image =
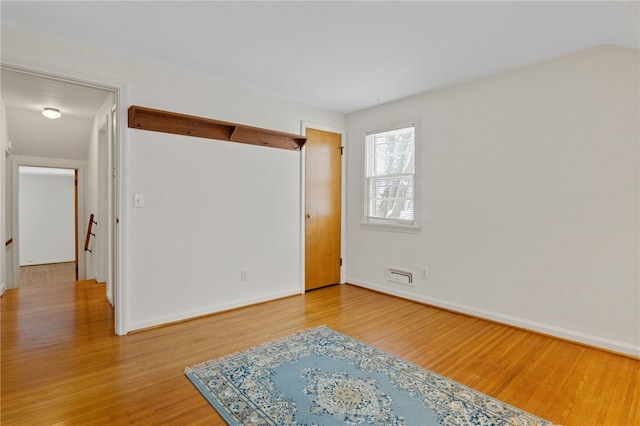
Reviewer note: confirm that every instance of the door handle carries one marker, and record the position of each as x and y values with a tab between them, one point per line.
309	216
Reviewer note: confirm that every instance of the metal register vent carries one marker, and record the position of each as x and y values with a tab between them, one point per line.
401	276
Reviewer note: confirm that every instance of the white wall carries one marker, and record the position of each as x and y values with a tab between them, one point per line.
529	190
528	185
211	208
47	217
97	256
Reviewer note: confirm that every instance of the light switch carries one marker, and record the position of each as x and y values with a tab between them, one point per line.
138	201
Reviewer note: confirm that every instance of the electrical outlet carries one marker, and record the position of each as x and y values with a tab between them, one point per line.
244	275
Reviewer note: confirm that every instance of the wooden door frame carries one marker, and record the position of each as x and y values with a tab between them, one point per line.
304	125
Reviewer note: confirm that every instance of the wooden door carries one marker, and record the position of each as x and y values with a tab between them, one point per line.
323	177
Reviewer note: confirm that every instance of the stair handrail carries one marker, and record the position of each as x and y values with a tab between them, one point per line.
89	233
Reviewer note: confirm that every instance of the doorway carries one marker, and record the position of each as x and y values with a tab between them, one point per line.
323	208
48	225
89	106
17	209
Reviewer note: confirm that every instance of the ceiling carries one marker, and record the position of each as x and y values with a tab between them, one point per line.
30	133
341	56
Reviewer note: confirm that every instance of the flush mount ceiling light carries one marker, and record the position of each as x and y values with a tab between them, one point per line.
51	113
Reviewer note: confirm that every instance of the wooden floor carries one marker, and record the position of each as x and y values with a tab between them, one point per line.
62	363
50	274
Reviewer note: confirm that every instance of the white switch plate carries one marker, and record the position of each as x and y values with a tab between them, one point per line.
138	201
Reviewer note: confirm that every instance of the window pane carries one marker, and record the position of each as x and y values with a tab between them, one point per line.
389	174
391	198
393	152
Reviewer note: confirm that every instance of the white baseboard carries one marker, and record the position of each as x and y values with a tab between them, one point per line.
182	316
562	333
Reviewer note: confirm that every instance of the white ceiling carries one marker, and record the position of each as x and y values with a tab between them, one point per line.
30	133
341	56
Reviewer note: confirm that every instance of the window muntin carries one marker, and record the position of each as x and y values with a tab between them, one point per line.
389	176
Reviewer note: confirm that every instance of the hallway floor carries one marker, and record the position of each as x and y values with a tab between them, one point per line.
47	274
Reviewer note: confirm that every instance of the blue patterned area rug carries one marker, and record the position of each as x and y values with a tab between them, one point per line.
323	377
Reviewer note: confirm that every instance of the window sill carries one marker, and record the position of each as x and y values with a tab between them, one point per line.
407	229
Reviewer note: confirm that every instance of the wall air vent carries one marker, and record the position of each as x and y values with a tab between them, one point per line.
401	276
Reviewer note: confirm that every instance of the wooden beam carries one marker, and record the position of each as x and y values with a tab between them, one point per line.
256	136
189	125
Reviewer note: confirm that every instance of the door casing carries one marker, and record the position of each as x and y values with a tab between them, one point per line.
16	162
116	190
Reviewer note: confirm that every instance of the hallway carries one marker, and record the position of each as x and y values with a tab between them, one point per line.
47	274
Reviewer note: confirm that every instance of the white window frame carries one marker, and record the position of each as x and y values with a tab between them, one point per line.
381	224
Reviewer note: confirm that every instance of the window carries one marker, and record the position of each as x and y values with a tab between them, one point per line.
389	179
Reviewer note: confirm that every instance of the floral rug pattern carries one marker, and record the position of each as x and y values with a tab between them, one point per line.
323	377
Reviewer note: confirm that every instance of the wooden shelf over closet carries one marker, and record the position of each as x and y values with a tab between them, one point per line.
189	125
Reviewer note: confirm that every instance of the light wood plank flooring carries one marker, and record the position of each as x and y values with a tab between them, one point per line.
62	363
47	275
